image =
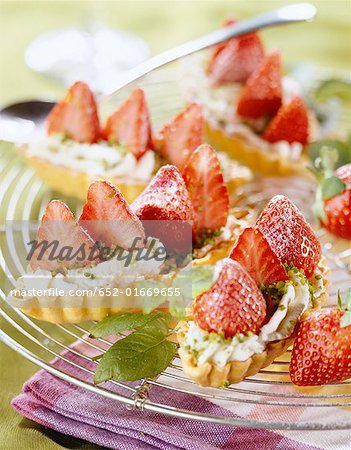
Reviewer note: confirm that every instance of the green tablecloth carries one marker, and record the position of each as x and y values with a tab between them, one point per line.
163	24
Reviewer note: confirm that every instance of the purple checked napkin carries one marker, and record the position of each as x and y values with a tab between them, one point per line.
68	409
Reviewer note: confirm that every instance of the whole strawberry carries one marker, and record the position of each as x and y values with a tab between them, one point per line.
262	94
130	124
333	197
291	123
322	348
289	235
236	59
182	135
166	210
233	304
76	115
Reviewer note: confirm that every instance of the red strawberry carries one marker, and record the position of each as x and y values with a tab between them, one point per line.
233	304
344	173
290	124
322	349
254	253
166	199
109	219
289	235
338	215
332	205
236	59
58	225
76	115
208	192
182	135
262	93
130	125
219	47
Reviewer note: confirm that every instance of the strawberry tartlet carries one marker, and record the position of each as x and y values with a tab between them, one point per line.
248	317
253	112
199	195
77	149
177	209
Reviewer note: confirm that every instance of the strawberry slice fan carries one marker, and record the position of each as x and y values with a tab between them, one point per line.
266	399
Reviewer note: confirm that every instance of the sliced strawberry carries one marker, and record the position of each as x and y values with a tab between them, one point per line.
262	93
322	349
254	253
109	219
208	192
76	115
67	244
219	47
338	215
130	125
233	304
289	235
344	173
236	59
182	135
290	124
166	199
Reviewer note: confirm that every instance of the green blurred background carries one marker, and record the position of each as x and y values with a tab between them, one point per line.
325	42
162	24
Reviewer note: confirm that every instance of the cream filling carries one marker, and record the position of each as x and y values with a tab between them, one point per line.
100	159
212	347
220	106
110	273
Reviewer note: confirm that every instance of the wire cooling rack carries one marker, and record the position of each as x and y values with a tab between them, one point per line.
267	400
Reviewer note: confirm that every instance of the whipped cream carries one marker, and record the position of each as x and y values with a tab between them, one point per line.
100	159
220	103
215	348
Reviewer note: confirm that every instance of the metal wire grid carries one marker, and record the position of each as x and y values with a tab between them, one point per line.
24	197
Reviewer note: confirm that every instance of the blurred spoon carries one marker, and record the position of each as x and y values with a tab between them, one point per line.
37	110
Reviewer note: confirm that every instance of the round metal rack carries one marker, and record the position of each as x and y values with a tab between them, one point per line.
267	400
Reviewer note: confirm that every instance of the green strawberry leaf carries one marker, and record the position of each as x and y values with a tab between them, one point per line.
343	149
120	322
318	205
331	187
346	318
142	354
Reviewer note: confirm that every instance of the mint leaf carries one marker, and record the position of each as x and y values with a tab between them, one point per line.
202	279
332	186
120	322
142	354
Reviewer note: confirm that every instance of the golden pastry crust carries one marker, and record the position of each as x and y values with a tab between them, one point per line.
73	183
209	374
264	162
